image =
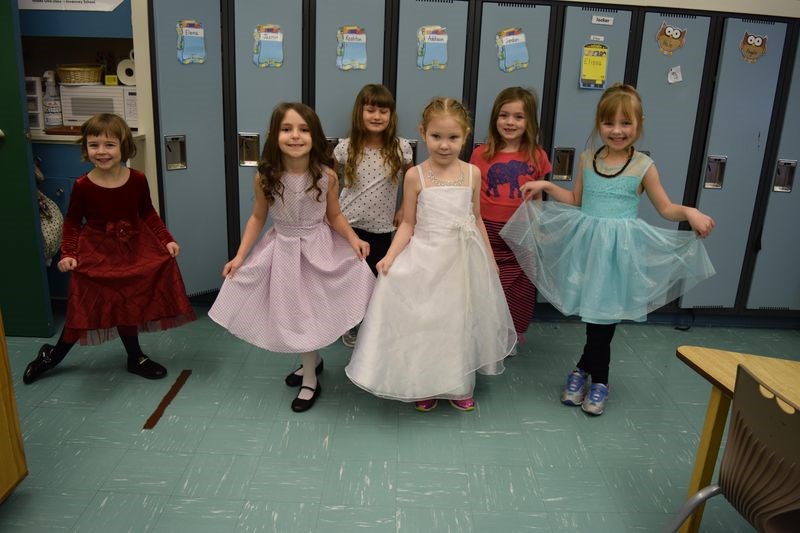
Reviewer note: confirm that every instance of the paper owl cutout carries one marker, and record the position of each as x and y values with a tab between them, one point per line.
753	47
670	38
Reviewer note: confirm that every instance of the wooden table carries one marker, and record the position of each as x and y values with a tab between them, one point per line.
719	367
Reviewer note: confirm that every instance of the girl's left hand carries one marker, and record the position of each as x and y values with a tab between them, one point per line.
700	223
361	248
173	249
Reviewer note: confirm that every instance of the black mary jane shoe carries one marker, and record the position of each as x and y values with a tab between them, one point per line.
298	405
147	368
40	365
293	380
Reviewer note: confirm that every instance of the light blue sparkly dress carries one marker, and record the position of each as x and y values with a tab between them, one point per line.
600	261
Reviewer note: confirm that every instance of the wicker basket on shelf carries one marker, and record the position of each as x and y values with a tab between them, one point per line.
77	74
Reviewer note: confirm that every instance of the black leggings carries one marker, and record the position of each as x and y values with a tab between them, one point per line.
378	246
596	356
127	334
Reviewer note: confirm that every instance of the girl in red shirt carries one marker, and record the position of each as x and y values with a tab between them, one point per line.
510	157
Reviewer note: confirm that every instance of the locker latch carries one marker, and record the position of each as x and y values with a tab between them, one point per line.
715	171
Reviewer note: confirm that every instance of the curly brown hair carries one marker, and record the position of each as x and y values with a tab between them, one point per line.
270	165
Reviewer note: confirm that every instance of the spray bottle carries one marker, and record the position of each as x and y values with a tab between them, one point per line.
51	101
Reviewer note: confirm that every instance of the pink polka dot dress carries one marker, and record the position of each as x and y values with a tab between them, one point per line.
302	286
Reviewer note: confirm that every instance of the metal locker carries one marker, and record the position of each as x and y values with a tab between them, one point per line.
671	68
776	283
576	106
420	77
493	74
347	33
269	70
740	120
188	68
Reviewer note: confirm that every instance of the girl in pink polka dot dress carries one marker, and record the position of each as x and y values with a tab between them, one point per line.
305	282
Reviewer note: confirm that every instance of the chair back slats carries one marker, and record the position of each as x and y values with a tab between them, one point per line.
760	471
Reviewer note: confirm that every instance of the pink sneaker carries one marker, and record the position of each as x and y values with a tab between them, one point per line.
426	405
463	405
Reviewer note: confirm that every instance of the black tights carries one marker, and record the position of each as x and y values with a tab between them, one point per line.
130	341
378	246
597	351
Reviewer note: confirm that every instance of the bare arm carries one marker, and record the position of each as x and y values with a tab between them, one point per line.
702	224
338	221
398	216
532	189
402	236
476	209
251	230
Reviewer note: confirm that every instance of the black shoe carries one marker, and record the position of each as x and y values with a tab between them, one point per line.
298	405
293	380
40	365
146	367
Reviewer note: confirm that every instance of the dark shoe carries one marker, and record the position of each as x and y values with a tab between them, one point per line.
40	365
298	405
146	367
293	380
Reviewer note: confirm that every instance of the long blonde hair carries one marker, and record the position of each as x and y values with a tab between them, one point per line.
379	96
529	142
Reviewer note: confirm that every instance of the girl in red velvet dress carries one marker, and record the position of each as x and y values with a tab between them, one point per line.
124	275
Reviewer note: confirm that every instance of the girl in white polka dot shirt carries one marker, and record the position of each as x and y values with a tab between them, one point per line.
373	160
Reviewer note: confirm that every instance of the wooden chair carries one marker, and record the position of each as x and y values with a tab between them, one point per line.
760	471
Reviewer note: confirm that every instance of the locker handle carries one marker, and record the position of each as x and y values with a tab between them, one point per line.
175	151
563	160
784	175
715	171
248	149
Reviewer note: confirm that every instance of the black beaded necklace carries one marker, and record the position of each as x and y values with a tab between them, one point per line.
617	173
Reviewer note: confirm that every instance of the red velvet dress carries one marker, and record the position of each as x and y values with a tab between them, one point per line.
125	275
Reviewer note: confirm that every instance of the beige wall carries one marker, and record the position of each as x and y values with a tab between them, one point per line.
778	8
146	158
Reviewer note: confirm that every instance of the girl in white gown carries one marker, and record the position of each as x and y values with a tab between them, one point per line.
438	313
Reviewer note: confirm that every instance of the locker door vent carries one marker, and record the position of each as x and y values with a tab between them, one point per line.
757	21
512	4
678	15
774	308
599	10
435	1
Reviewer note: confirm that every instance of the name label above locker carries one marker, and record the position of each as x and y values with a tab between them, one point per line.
603	21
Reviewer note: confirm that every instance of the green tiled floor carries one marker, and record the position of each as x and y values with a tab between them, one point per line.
229	454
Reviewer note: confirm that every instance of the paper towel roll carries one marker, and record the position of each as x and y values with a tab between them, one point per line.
126	72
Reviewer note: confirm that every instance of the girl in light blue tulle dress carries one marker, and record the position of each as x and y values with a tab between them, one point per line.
590	255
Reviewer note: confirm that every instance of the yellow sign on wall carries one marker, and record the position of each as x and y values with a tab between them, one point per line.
594	66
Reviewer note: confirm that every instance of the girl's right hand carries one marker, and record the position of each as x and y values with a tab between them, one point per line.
67	264
384	265
231	267
532	189
701	223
